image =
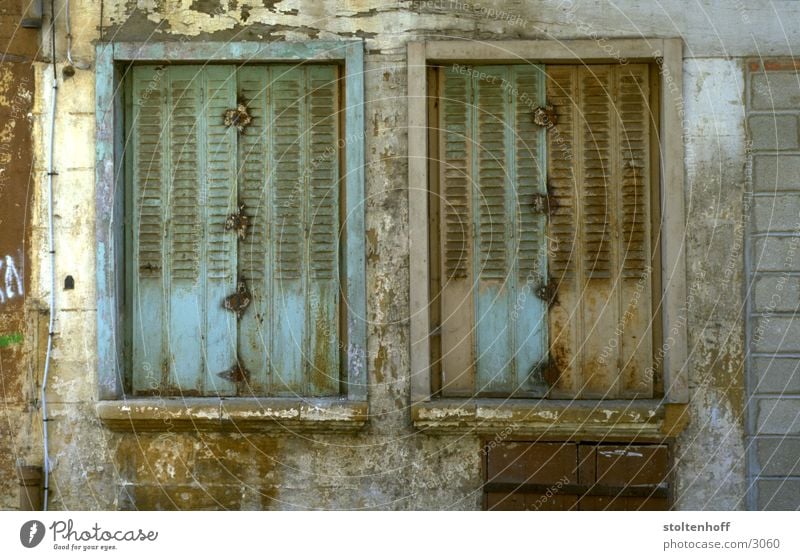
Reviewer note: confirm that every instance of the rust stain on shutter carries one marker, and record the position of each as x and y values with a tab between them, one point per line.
598	158
562	231
238	301
238	222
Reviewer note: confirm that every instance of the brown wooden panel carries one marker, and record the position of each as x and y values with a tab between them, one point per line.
610	503
587	464
563	476
555	502
501	501
498	501
536	463
635	464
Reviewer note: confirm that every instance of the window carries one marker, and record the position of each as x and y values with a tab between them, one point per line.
548	222
217	215
237	171
543	217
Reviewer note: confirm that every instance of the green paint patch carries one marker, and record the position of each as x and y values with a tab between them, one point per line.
9	339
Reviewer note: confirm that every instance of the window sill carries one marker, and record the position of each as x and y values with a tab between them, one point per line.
274	415
642	420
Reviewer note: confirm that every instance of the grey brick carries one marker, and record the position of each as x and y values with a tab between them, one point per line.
776	334
776	172
779	495
778	416
776	254
776	293
775	90
777	213
776	375
778	457
773	132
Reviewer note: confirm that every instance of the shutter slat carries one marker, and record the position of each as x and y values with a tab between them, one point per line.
218	145
457	316
187	310
598	230
322	215
288	128
564	316
148	195
493	325
636	344
529	312
493	135
255	251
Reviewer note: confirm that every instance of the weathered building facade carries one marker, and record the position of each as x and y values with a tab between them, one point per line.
726	426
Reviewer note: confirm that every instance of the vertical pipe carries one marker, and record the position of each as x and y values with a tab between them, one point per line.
51	173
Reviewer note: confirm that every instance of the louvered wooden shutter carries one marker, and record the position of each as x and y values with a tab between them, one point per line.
183	186
289	181
599	173
188	173
493	323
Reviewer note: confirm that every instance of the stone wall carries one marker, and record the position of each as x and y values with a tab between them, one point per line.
391	466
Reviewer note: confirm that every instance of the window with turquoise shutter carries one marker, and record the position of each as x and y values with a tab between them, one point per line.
233	234
544	190
493	325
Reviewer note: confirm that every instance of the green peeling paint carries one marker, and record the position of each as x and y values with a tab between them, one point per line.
9	339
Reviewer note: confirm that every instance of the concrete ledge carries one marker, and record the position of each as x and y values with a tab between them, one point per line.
645	419
276	415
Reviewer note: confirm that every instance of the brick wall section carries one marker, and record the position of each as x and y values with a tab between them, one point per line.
773	105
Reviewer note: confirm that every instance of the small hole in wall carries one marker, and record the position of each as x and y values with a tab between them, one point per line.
69	283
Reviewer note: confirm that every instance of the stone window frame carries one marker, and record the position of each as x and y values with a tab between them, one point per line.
345	413
639	418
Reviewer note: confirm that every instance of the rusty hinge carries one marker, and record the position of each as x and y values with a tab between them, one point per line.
548	292
237	374
545	203
239	301
545	116
238	221
238	117
551	373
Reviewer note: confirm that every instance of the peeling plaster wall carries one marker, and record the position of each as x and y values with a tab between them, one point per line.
710	453
389	465
19	422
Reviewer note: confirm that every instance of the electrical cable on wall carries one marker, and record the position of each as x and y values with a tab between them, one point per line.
51	173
